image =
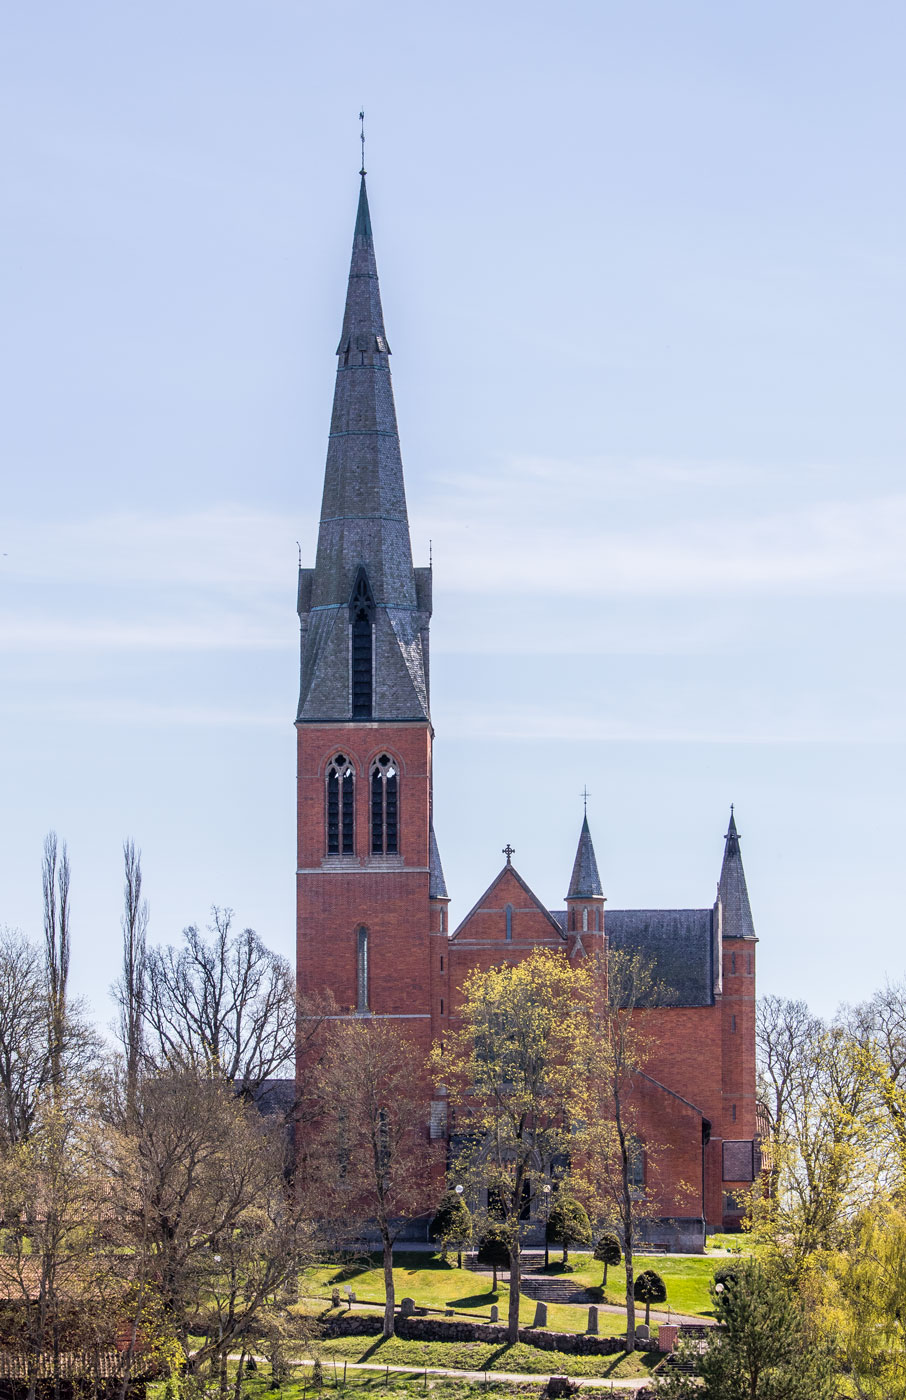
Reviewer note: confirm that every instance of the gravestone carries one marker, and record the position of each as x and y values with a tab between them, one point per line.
495	1313
335	1297
407	1307
593	1320
540	1315
643	1333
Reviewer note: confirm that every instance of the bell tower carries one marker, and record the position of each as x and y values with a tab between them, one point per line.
365	844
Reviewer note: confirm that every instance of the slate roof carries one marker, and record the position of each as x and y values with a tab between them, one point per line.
437	885
364	524
679	943
731	890
585	882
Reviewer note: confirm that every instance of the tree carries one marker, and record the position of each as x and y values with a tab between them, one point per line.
607	1252
26	1065
612	1141
858	1296
132	987
826	1117
452	1223
568	1223
518	1065
762	1347
494	1250
649	1288
369	1158
201	1223
223	1006
55	878
50	1270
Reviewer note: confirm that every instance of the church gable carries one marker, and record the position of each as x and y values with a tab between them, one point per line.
509	913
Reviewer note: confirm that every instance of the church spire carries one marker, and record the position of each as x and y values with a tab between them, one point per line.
585	882
731	890
363	538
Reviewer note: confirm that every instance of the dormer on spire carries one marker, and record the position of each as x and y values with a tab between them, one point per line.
732	894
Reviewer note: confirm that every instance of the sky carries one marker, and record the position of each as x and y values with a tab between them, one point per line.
643	278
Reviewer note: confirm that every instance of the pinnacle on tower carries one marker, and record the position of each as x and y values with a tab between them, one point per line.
363	576
731	889
585	882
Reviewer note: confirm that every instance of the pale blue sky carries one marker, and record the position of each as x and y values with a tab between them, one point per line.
643	276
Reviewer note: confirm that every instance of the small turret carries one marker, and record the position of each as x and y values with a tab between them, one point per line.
585	898
732	895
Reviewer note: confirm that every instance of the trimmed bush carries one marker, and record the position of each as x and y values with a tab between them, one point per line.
649	1288
607	1252
568	1224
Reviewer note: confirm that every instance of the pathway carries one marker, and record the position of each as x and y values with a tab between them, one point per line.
519	1377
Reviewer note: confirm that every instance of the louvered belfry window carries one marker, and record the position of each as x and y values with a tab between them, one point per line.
340	807
384	806
361	621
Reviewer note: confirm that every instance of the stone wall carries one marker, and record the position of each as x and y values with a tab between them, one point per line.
435	1329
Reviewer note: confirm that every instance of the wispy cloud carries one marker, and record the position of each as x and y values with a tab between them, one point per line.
223	579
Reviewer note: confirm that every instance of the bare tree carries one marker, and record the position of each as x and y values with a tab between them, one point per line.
24	1066
223	1005
204	1229
370	1158
130	991
55	875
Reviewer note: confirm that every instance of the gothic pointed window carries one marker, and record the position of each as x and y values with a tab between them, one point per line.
340	807
509	923
361	625
384	806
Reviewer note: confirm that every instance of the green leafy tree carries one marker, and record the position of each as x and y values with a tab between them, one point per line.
519	1066
607	1252
762	1347
452	1223
494	1250
649	1288
568	1224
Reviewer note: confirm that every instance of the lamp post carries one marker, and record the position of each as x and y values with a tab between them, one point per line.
459	1190
546	1190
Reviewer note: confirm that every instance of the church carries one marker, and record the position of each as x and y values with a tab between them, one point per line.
373	925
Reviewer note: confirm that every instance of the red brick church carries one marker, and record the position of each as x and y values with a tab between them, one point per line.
372	905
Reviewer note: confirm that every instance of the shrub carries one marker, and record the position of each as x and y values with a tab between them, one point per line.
568	1224
452	1223
649	1288
607	1252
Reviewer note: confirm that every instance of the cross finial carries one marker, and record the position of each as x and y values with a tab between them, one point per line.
362	139
585	796
509	851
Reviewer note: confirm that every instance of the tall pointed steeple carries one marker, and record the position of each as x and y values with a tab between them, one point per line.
364	551
585	882
731	889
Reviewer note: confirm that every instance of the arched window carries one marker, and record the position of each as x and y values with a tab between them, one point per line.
361	623
361	969
340	807
385	806
509	923
585	919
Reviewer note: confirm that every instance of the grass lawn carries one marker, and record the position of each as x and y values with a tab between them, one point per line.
481	1356
433	1284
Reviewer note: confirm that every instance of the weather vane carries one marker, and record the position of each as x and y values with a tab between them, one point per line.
362	139
585	796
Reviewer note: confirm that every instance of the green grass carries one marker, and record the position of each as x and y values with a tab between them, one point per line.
433	1284
483	1356
737	1243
